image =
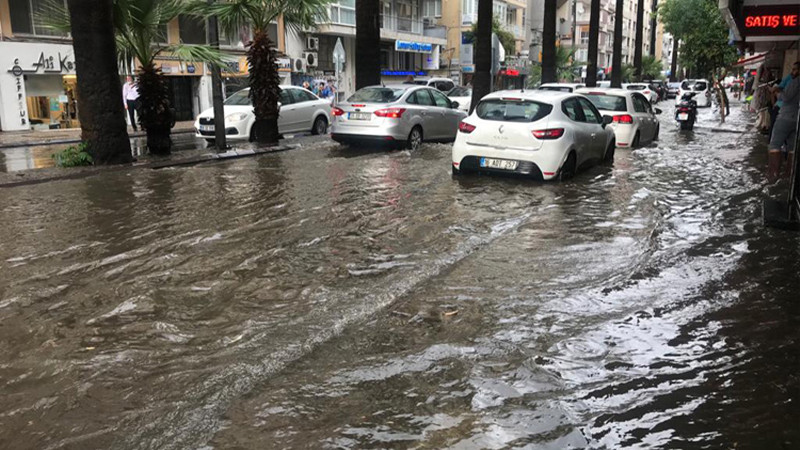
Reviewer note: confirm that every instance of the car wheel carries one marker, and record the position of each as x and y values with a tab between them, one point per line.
456	172
320	126
415	138
635	143
211	141
568	169
610	151
658	129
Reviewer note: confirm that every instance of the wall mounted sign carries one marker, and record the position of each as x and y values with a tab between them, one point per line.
403	73
414	47
771	20
47	64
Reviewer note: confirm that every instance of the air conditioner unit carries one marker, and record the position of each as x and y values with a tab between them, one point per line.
299	65
310	59
312	43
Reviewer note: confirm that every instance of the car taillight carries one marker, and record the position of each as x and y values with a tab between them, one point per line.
391	113
552	133
683	110
625	118
646	92
466	128
337	111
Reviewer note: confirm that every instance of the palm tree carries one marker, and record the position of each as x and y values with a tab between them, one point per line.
651	68
102	115
637	50
368	34
482	82
235	15
566	64
594	30
549	74
616	64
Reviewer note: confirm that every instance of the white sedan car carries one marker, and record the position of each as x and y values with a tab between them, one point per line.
300	111
462	95
644	89
541	134
700	87
634	120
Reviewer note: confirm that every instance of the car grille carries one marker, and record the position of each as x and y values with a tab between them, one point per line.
206	121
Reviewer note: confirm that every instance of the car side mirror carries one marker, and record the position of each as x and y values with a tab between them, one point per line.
454	105
658	111
607	120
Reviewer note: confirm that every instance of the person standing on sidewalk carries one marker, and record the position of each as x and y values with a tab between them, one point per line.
784	131
130	97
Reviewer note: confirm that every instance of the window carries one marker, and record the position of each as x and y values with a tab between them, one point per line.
639	104
286	97
192	30
590	112
444	86
572	109
512	110
301	95
239	98
343	12
608	102
432	8
421	97
441	100
377	95
460	92
24	18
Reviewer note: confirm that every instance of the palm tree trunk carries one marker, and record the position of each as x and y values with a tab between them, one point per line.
653	29
155	115
482	82
549	42
102	114
637	51
673	69
265	88
594	37
616	65
368	38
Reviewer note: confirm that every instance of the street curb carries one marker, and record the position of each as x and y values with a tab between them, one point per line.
209	157
75	140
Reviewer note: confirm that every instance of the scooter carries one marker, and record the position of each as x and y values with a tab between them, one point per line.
686	111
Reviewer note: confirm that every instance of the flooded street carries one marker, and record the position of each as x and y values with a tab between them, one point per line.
329	297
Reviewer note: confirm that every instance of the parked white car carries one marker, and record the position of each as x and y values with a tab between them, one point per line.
634	119
462	95
442	84
300	111
541	134
561	87
701	87
644	89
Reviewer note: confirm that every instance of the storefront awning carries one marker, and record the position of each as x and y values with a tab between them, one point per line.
751	61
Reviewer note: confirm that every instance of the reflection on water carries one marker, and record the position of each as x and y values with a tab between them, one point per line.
329	298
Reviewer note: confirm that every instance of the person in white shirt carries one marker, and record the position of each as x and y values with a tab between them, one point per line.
130	95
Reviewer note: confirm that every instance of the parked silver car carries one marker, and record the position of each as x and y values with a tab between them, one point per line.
402	114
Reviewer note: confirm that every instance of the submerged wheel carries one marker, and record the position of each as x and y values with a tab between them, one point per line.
610	151
658	130
320	126
568	169
415	138
635	143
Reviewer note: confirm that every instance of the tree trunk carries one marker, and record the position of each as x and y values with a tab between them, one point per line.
594	35
482	82
673	69
549	42
265	88
102	114
616	65
637	50
155	115
653	29
368	38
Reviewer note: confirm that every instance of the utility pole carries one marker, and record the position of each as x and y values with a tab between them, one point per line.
216	87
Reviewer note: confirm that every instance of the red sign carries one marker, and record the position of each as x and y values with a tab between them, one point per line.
510	72
772	20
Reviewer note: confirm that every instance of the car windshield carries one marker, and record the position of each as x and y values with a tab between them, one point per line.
674	85
556	88
700	86
608	102
512	110
635	87
377	95
687	85
239	98
460	92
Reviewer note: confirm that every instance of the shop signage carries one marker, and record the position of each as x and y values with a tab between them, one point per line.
414	47
403	73
284	64
46	64
468	68
772	20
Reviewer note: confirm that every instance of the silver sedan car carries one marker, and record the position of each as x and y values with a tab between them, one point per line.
403	114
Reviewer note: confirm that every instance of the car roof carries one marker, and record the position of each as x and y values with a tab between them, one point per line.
608	91
531	94
562	84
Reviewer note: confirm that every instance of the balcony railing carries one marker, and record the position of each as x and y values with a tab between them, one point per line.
401	24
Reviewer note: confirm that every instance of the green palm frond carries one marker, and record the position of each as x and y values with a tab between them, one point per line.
194	53
233	15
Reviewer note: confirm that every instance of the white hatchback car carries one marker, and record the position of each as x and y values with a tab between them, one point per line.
700	87
644	89
300	111
634	119
541	134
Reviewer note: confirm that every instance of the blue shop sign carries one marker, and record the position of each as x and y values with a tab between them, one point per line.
416	47
403	73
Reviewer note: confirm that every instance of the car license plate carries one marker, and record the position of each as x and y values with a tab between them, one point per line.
683	116
359	116
503	164
206	127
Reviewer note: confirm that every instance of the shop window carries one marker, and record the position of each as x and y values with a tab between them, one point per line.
192	30
25	17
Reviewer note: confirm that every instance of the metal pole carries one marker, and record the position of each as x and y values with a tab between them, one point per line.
216	87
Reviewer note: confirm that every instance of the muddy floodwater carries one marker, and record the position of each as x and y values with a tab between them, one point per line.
327	297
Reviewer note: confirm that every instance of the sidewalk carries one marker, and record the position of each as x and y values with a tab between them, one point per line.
11	139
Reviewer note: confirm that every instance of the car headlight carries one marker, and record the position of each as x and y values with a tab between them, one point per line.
235	117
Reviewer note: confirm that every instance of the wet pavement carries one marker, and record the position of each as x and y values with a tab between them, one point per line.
328	297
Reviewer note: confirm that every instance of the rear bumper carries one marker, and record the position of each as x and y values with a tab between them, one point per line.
542	164
349	139
524	168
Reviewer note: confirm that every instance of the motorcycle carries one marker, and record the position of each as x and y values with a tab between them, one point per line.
686	111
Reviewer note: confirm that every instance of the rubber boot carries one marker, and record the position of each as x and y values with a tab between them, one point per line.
787	171
773	165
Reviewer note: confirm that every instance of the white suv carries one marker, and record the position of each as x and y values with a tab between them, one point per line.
701	87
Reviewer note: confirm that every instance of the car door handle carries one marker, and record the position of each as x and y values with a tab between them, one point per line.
594	135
